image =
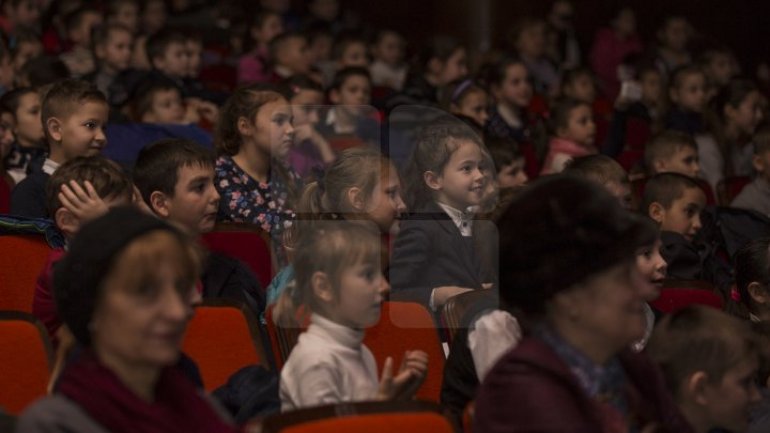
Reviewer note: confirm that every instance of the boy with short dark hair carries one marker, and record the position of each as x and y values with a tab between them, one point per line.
756	195
672	151
606	172
289	54
80	24
674	201
709	361
74	113
112	48
175	178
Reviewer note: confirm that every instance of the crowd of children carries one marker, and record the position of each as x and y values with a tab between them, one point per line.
565	184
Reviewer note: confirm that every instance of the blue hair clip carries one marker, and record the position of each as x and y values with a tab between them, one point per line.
461	88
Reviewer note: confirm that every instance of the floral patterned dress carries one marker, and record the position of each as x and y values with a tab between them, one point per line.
244	199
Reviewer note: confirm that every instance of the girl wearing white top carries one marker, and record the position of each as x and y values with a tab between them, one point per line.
338	277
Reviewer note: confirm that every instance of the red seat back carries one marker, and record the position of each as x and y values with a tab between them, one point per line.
25	360
222	338
22	258
247	243
674	299
630	159
732	186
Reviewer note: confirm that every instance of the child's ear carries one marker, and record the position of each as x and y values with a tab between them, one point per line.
334	96
696	387
432	180
356	199
322	288
159	204
657	212
66	222
244	126
53	126
758	293
759	163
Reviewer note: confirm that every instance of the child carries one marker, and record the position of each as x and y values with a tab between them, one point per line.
74	113
124	13
167	54
175	178
509	163
434	256
441	61
579	83
349	49
574	130
388	69
606	172
687	90
253	136
756	195
193	43
289	54
311	153
673	39
80	25
611	45
674	201
672	152
509	116
81	189
529	41
751	300
24	105
112	48
254	65
339	278
739	109
27	47
709	361
466	98
18	14
159	101
720	67
351	116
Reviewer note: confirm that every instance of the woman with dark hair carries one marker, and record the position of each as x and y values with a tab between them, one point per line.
568	267
125	290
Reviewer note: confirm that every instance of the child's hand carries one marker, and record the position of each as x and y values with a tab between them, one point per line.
308	132
84	204
208	111
139	202
414	368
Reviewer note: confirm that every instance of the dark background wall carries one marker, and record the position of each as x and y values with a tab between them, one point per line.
743	25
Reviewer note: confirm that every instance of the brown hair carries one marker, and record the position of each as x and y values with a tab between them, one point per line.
665	145
106	176
244	102
699	338
598	168
63	98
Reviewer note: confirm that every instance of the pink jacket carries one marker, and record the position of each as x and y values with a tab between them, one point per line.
560	152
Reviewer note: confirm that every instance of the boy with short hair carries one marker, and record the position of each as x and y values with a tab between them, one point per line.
756	195
672	151
349	49
80	24
289	54
112	48
674	201
709	361
80	190
74	113
175	178
606	172
508	161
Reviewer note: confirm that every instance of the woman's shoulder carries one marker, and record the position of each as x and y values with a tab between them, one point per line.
56	414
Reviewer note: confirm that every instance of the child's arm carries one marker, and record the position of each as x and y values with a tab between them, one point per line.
411	374
308	132
85	204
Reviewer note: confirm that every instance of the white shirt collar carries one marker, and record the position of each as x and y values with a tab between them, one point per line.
348	337
49	166
463	220
509	116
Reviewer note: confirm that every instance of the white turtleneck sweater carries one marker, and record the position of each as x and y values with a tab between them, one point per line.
328	365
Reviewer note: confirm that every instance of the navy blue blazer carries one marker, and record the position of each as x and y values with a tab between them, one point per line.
430	252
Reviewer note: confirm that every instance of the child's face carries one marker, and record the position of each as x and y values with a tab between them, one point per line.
194	53
683	161
721	69
580	126
362	290
690	94
683	216
582	89
174	61
167	108
26	14
128	15
272	130
320	49
295	55
389	49
515	88
306	105
652	87
154	16
746	116
462	182
29	129
271	27
27	51
81	35
676	35
512	175
729	401
531	42
625	23
474	105
82	133
354	55
454	68
6	133
356	90
116	51
653	267
195	201
385	206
